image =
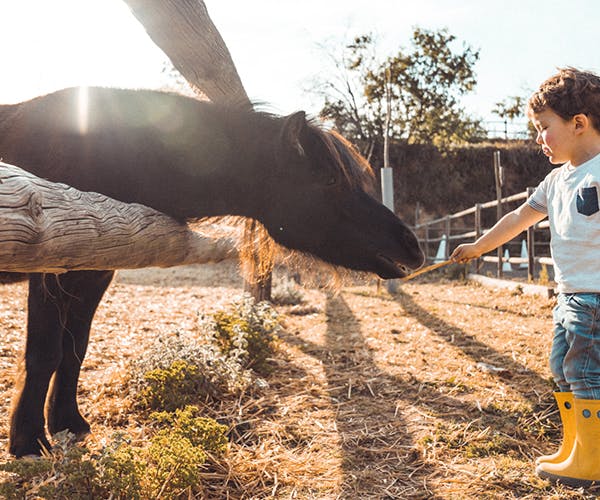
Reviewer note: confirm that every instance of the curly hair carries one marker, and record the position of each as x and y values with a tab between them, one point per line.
568	93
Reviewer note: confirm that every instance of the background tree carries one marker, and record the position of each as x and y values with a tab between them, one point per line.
512	108
426	83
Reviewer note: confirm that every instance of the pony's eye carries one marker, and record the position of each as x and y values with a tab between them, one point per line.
331	181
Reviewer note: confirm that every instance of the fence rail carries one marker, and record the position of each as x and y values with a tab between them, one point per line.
468	225
507	129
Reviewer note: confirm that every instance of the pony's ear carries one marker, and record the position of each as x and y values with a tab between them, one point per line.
293	127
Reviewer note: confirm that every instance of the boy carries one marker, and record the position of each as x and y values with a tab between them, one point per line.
566	114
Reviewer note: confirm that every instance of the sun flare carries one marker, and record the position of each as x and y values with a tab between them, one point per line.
82	110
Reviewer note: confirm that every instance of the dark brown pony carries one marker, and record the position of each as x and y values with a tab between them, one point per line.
189	159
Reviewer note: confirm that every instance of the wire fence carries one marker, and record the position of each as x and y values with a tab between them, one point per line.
507	129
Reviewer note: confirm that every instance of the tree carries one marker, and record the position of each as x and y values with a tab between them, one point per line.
511	108
426	84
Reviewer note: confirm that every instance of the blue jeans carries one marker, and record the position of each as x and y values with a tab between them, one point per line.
575	355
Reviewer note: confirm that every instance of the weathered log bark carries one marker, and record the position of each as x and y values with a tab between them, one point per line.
51	227
184	31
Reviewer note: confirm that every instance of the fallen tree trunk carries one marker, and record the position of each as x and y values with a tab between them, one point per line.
54	228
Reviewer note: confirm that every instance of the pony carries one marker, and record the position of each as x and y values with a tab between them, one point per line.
190	159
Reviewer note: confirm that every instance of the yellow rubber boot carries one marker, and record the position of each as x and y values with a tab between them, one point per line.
582	467
564	400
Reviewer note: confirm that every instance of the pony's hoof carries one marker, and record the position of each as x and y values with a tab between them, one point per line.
75	424
30	457
30	448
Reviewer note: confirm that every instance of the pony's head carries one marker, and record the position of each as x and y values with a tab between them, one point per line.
321	201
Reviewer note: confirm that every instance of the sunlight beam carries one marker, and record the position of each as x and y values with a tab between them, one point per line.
82	110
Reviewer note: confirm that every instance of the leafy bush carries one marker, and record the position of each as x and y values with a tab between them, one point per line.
170	388
121	469
200	431
208	363
67	473
173	465
246	332
176	371
183	368
168	467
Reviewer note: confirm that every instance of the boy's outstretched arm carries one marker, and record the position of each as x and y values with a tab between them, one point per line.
504	230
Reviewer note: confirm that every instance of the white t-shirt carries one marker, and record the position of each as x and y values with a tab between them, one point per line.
570	197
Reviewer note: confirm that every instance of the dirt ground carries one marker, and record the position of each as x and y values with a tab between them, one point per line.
439	391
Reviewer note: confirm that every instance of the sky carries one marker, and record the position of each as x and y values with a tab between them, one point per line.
277	45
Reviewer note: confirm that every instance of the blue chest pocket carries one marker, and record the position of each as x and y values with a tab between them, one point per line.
587	201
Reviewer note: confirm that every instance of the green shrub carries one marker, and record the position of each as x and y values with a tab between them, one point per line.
173	465
179	449
178	385
174	373
183	369
26	475
121	469
200	431
67	473
247	332
208	363
168	467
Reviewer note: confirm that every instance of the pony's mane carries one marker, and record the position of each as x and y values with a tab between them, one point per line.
346	158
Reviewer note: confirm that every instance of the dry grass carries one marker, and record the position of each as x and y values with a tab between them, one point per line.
374	396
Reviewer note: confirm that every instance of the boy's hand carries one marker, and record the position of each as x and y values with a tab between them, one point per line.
464	253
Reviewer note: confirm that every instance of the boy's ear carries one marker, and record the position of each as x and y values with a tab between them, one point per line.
581	122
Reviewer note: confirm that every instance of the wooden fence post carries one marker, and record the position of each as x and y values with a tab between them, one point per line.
447	231
499	181
432	230
530	246
477	232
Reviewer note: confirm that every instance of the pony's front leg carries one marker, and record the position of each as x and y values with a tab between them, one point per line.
84	290
43	351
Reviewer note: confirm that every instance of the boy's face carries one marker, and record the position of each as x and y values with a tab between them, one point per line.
555	135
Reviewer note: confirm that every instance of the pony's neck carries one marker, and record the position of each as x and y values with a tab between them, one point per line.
239	185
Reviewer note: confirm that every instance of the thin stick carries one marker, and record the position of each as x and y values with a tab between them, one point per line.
426	269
